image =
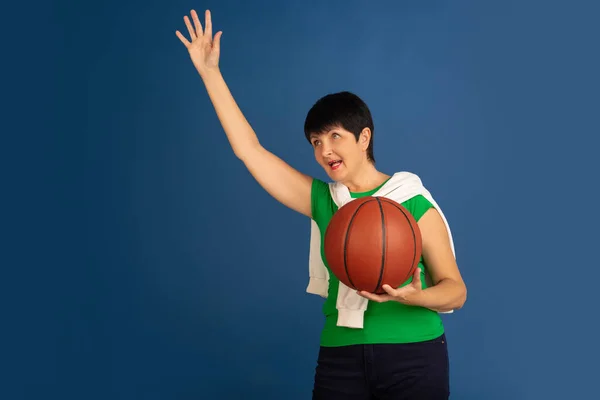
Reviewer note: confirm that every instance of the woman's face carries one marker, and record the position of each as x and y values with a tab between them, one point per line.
339	153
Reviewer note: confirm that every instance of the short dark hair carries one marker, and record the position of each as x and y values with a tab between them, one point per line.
343	109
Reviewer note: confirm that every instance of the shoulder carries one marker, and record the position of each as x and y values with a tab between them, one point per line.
417	205
321	200
319	189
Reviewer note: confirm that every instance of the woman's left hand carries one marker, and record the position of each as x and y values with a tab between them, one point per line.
407	294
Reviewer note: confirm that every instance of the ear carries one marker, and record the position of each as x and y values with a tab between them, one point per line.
365	139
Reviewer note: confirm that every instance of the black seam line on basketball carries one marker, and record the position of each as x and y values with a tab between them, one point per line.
346	241
383	240
412	230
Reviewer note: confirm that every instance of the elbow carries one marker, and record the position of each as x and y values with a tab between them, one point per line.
462	298
240	153
457	301
243	153
459	305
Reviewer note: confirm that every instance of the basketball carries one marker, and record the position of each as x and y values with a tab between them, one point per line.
372	241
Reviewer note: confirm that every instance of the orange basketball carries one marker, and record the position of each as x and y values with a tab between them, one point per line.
372	241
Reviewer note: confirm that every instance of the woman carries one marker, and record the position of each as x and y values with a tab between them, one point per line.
399	350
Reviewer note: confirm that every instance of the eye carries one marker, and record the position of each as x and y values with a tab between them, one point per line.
316	142
336	135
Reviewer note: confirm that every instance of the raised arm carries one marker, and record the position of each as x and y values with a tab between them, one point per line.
286	184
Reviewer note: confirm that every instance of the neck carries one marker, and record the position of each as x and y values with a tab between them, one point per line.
366	178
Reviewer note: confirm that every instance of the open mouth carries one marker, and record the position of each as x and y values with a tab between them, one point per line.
335	164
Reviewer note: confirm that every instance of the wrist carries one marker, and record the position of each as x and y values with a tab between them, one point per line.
418	298
209	73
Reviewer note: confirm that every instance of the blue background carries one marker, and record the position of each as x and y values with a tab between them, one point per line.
142	261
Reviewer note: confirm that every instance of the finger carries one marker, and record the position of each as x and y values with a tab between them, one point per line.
370	296
182	38
373	296
197	23
417	277
390	290
189	27
217	43
208	23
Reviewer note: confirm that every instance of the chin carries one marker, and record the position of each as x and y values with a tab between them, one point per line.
337	175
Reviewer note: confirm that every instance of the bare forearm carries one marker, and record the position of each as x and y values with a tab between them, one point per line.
446	295
240	134
289	186
283	182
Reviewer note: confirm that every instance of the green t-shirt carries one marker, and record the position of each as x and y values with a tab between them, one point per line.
387	322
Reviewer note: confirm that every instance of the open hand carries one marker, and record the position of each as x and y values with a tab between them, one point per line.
204	50
407	294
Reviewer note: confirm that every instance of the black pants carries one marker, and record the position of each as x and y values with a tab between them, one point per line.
412	371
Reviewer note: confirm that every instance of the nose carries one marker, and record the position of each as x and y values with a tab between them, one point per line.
325	149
